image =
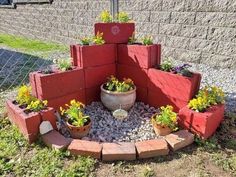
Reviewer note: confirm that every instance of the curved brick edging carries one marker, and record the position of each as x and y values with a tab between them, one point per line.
121	150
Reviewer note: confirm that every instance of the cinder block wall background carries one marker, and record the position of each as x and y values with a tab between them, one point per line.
201	31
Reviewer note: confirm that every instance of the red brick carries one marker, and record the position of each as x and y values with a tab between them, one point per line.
96	76
151	148
49	115
179	140
118	151
114	33
55	140
138	75
138	55
204	124
49	86
142	94
94	55
92	94
86	148
32	83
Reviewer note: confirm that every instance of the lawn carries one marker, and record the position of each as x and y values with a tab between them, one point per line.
215	157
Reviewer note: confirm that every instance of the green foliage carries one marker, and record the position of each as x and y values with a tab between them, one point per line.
105	17
147	40
24	95
85	41
123	17
207	97
113	84
166	66
167	118
63	64
37	105
98	39
75	114
132	39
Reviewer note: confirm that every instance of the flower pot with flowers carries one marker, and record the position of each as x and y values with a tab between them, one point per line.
172	85
142	54
117	94
165	122
91	48
78	123
204	113
116	30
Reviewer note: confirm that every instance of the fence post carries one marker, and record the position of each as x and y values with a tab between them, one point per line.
114	8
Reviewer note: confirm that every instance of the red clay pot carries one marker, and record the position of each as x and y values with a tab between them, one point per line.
50	86
138	75
139	55
203	124
167	88
160	130
96	76
115	33
94	55
79	132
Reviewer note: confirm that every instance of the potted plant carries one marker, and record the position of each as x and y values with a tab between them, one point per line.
92	51
78	123
142	54
27	112
115	30
165	122
117	94
204	113
62	81
172	85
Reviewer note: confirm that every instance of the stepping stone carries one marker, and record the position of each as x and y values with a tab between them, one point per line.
152	148
118	151
55	140
179	140
85	148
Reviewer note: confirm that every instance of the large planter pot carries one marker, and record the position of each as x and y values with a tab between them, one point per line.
203	124
115	33
165	88
94	55
139	55
160	130
79	132
115	100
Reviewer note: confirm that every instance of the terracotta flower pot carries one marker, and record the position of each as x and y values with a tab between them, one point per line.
160	130
79	132
116	100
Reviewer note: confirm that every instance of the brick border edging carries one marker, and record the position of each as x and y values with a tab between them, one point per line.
126	151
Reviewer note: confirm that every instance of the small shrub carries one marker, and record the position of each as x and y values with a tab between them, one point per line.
63	64
98	39
167	118
24	95
105	17
85	41
147	40
74	113
37	105
166	66
183	70
113	84
123	17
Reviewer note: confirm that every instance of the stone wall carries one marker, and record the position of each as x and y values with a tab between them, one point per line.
201	31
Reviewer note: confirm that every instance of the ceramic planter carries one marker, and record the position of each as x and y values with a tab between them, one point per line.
94	55
204	124
139	55
165	88
79	132
115	33
160	130
116	100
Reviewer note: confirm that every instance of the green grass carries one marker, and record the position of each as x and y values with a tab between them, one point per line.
29	45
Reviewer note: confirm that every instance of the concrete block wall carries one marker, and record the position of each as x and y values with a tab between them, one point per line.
201	31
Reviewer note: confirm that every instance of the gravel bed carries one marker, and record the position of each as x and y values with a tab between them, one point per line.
106	128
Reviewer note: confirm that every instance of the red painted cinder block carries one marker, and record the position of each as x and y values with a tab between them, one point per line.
49	86
138	75
92	94
139	55
49	115
115	33
157	99
32	83
203	124
94	55
96	76
58	102
142	94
